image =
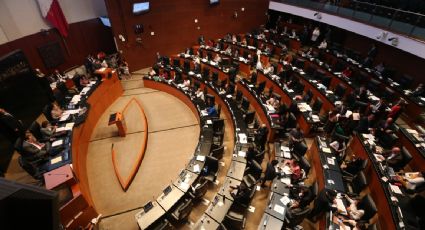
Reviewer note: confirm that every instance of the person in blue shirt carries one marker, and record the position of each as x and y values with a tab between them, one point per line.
212	112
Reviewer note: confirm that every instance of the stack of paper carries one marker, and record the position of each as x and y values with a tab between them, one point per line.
57	143
200	158
285	200
396	189
242	138
241	153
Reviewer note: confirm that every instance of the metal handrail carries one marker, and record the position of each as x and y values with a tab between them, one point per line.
387	7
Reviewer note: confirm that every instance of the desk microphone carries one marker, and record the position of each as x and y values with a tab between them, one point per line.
58	174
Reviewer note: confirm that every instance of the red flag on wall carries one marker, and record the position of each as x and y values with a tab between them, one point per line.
51	10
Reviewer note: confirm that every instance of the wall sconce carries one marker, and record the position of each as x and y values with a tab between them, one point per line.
235	14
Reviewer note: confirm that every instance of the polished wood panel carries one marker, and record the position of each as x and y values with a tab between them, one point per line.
174	26
375	187
86	37
106	93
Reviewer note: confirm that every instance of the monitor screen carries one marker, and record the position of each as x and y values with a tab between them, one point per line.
105	21
214	1
140	7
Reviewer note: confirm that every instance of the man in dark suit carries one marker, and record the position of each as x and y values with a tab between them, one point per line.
34	150
261	137
323	202
270	172
393	156
10	126
365	123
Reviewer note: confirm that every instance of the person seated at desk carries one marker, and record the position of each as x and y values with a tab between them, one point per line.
270	172
267	50
47	130
234	39
33	149
210	43
347	72
228	51
151	72
296	136
186	84
56	111
323	203
365	123
338	147
396	109
261	137
353	212
58	76
393	156
345	223
411	180
236	54
294	169
273	102
251	153
240	193
361	94
217	59
259	65
288	59
333	116
212	111
269	69
419	91
200	94
384	128
353	166
301	196
323	45
244	42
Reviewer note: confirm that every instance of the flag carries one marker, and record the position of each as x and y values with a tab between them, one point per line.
51	10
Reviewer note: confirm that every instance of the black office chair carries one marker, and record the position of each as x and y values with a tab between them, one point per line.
300	148
218	126
234	220
210	170
199	190
317	105
218	110
308	96
239	96
349	175
368	205
340	90
218	152
163	225
305	165
254	169
249	117
294	217
356	184
214	78
249	181
182	211
47	111
32	168
314	190
407	157
387	141
35	130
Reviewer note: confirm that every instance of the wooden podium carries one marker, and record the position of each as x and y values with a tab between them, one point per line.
118	120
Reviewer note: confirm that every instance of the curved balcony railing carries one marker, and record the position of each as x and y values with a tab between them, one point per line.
400	21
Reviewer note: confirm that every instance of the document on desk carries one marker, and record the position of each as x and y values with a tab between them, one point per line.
200	158
57	143
184	186
287	170
64	117
204	113
287	154
340	206
379	157
242	154
209	122
326	150
315	118
396	189
242	138
56	160
279	209
331	161
286	180
85	90
285	200
196	168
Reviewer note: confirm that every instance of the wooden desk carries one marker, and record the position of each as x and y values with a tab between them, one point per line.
106	93
59	176
377	192
418	161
